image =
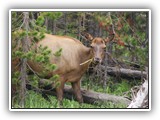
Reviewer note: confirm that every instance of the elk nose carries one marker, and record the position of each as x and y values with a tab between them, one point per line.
97	60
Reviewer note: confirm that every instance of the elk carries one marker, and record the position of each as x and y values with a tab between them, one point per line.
73	62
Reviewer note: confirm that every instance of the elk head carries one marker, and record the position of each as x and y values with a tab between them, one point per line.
98	46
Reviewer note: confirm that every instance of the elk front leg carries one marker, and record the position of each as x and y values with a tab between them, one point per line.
77	91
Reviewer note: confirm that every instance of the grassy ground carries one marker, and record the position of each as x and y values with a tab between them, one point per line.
35	100
120	88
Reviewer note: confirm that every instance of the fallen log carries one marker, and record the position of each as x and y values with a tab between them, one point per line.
124	73
89	96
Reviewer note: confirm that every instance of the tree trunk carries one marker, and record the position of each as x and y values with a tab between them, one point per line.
46	23
24	62
54	27
79	27
65	22
105	73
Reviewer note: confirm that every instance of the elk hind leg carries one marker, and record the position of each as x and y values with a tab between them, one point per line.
77	91
59	92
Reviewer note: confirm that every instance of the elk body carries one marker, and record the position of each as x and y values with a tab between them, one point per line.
70	65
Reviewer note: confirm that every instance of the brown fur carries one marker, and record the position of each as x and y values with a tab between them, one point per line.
69	69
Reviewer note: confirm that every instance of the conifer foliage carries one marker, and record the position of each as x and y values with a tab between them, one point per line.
27	29
126	35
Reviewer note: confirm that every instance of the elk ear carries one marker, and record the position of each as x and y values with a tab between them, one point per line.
109	38
106	40
88	36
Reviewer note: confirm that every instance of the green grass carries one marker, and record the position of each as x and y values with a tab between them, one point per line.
35	100
113	86
118	88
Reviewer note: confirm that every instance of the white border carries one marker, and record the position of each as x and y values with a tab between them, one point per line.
94	10
10	61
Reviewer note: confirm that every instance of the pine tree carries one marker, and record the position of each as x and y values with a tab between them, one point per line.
26	32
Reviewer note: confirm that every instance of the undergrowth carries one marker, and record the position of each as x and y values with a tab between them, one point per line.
35	100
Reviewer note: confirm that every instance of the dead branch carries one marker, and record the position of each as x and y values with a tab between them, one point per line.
141	98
